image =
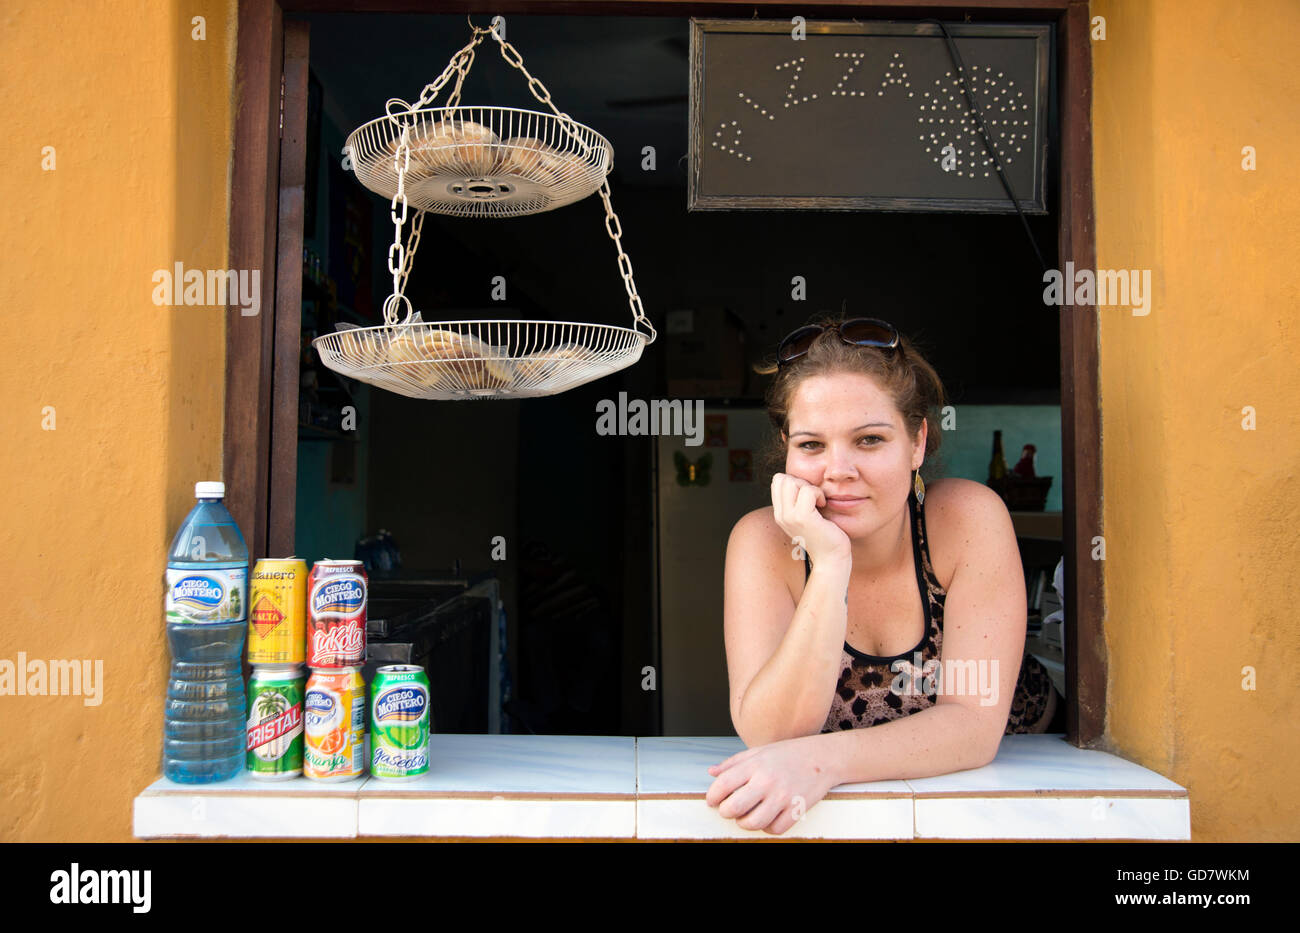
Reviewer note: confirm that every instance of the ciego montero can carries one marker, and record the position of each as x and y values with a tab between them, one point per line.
334	723
336	614
399	723
275	698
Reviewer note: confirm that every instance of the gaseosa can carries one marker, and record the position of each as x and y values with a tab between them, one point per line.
399	723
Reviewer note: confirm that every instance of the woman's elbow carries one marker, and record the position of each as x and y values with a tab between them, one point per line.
755	734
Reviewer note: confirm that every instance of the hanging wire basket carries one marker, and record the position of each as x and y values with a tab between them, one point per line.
480	162
480	359
483	161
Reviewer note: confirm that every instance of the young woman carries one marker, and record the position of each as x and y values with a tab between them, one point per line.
874	626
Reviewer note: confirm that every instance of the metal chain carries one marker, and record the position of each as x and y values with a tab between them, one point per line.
459	63
615	230
517	61
401	258
612	224
398	262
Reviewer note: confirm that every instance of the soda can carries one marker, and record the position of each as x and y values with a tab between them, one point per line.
399	723
277	617
334	721
275	700
336	614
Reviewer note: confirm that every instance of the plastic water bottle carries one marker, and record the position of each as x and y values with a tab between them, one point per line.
204	718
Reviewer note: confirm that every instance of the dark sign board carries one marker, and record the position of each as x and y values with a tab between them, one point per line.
866	116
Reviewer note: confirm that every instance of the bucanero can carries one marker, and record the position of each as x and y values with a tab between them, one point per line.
399	723
275	701
336	614
334	720
277	617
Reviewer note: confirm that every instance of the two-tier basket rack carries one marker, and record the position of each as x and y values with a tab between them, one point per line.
488	162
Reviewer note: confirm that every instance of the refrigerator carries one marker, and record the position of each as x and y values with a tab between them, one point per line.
702	491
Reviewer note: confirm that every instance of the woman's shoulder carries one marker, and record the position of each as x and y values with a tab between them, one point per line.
763	543
960	515
757	529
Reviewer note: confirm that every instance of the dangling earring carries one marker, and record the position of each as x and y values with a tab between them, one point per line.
918	485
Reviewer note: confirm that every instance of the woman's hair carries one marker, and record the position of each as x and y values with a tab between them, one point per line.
902	373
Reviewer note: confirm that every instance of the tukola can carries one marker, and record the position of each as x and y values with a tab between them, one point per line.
336	614
399	723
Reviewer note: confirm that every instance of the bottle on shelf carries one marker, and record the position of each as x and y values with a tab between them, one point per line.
998	465
204	718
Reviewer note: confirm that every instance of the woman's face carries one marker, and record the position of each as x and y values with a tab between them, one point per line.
847	437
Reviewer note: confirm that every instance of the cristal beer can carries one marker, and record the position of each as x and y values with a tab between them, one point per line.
275	699
336	614
334	722
399	723
277	617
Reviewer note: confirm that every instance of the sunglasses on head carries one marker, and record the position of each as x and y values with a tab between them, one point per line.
858	332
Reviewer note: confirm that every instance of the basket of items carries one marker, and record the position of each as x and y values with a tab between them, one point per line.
480	162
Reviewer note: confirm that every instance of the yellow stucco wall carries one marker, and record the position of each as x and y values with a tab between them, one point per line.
138	114
1202	517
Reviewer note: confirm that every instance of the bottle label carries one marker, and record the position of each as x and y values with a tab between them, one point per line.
207	596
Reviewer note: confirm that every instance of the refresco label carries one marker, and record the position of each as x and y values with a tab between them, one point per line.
207	596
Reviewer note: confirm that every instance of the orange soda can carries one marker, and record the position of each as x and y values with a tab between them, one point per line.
334	725
277	616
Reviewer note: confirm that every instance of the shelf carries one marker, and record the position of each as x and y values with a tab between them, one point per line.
619	787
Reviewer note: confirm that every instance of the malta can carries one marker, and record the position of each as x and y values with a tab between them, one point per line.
334	721
277	617
275	696
399	723
336	614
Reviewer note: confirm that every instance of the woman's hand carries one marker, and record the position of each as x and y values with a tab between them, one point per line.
795	503
771	787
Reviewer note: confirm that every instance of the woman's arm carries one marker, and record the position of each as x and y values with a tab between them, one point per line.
983	642
782	660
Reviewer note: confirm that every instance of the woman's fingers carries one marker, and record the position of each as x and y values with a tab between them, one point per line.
741	801
810	497
762	815
725	784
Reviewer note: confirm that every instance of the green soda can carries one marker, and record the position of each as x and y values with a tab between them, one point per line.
399	723
275	696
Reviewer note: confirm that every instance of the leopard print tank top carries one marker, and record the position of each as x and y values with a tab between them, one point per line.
863	694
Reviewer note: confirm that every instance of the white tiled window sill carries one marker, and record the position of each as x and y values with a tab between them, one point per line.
619	787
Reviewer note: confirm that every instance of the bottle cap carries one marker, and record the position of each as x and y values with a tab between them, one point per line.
209	490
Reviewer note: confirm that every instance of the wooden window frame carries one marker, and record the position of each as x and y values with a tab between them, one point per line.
260	442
